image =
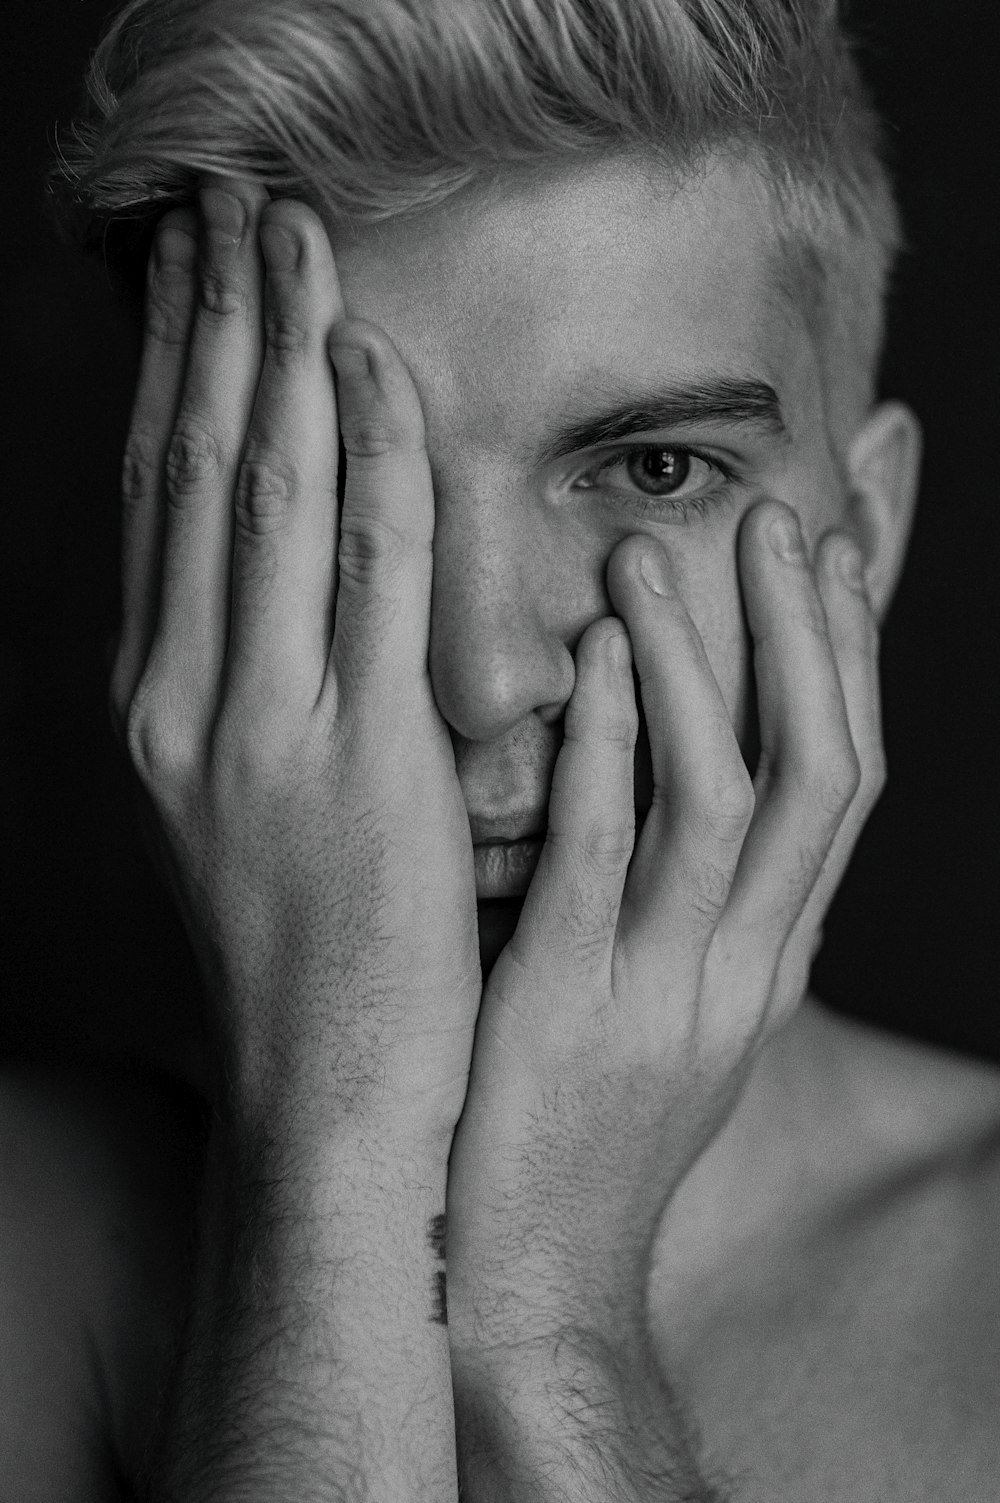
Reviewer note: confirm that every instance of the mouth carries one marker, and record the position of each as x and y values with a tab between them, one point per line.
504	868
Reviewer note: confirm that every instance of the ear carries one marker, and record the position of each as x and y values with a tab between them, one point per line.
884	470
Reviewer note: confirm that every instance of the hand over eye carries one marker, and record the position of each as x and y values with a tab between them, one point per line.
271	682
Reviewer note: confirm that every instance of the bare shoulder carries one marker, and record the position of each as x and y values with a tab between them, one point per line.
914	1096
922	1199
97	1175
848	1348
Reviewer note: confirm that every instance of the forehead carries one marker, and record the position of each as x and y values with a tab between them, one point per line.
591	282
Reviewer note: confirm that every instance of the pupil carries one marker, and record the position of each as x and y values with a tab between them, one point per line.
659	471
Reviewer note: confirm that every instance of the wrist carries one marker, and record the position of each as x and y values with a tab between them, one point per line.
301	1096
314	1322
327	1159
547	1298
591	1420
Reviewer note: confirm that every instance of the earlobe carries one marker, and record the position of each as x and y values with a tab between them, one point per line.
884	470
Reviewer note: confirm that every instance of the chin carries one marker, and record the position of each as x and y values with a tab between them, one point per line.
497	921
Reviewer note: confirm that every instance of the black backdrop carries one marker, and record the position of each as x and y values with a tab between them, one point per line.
90	959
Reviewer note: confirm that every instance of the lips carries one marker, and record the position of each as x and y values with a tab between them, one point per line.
504	868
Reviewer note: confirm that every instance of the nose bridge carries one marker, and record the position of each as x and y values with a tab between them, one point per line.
498	652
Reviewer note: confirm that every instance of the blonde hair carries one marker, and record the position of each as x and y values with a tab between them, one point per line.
371	109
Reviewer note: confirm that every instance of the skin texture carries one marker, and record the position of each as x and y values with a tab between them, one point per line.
515	312
326	711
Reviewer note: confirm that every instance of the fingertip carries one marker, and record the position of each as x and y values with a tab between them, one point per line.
840	565
366	360
770	527
639	565
302	244
230	205
618	646
175	240
348	336
362	334
605	644
291	214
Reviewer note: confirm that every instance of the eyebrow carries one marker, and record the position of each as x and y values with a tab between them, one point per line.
743	402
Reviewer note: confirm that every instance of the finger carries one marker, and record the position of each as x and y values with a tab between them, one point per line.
702	797
854	639
204	448
284	547
572	906
387	521
170	298
808	771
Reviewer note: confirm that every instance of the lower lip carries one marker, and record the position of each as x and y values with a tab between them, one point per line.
504	868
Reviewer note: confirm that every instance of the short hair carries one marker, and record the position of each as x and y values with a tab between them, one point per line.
375	109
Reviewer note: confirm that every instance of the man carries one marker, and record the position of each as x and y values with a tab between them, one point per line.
591	297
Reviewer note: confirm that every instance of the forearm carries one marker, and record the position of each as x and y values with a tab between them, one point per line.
313	1368
572	1422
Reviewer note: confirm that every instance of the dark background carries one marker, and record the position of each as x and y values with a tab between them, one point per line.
90	958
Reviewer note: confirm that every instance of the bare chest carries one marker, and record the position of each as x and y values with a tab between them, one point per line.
859	1361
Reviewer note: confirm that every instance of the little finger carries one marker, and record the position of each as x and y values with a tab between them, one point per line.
808	772
854	638
170	299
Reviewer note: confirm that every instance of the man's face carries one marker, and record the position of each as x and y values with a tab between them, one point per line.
526	318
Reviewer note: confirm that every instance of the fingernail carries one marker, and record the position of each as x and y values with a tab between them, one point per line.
619	650
351	360
280	247
224	214
849	562
786	538
653	572
174	247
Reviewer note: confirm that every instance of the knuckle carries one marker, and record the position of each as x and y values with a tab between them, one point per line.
591	917
168	303
154	742
140	464
727	809
263	494
286	334
221	296
620	729
834	781
371	550
193	459
708	891
371	434
606	848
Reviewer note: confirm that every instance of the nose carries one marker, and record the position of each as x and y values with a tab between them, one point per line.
499	652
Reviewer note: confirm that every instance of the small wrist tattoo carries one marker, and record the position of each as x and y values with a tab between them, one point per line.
436	1233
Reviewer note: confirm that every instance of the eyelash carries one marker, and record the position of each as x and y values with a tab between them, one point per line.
681	508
